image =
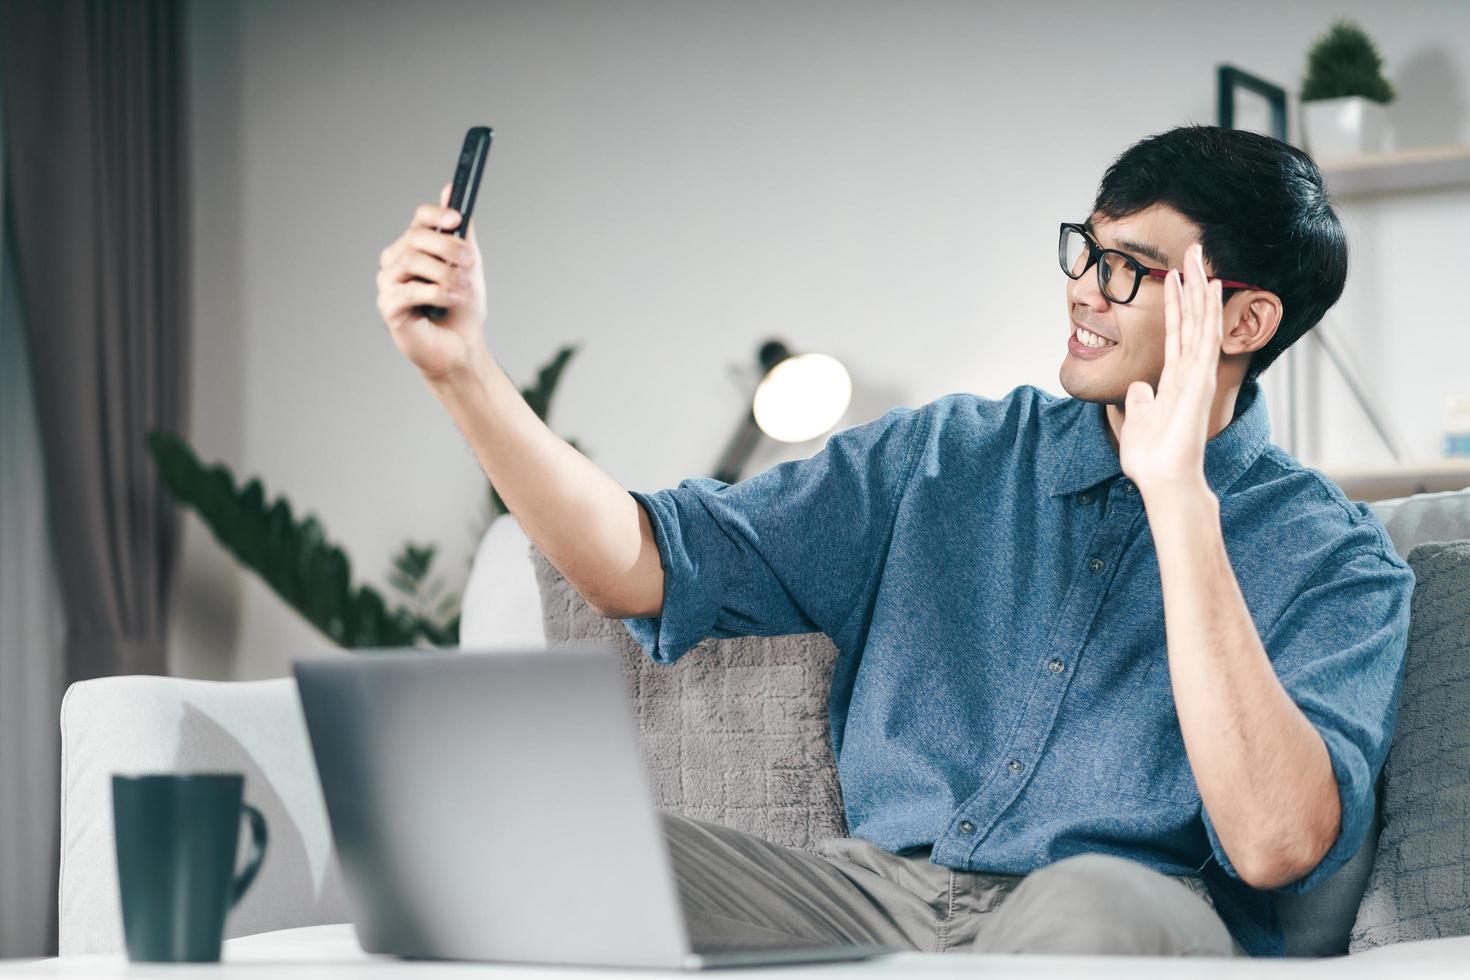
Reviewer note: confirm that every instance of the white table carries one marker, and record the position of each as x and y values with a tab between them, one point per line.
319	952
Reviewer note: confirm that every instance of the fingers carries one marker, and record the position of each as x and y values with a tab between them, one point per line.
1215	318
1186	304
452	216
1171	319
434	217
426	217
1209	319
418	265
425	266
1201	299
400	302
1199	308
418	238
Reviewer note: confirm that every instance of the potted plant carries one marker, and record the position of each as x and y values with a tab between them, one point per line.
1343	95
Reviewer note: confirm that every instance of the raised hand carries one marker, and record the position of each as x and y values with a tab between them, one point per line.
427	267
1162	442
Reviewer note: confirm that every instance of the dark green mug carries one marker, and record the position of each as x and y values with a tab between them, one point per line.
177	835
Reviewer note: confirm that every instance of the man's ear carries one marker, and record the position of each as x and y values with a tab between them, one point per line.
1254	324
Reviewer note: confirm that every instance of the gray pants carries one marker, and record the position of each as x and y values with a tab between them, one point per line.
737	888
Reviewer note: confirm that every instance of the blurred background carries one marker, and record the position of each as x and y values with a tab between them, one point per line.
671	184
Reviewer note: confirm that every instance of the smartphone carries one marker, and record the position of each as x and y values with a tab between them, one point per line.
462	191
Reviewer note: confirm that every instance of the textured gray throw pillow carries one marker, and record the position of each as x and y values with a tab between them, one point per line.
1420	885
735	731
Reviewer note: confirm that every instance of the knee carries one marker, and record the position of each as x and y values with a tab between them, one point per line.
1084	901
1094	880
1096	903
681	831
681	834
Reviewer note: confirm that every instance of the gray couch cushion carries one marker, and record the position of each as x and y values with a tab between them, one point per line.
735	731
1420	885
1424	517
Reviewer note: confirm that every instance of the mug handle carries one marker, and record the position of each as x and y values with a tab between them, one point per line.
258	838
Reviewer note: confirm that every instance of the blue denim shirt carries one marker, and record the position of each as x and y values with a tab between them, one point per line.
1001	690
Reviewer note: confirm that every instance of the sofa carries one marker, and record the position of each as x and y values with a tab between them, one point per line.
736	732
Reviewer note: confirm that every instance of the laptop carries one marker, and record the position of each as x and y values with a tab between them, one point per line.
495	807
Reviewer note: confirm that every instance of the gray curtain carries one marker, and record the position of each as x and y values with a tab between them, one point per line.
97	172
93	352
31	637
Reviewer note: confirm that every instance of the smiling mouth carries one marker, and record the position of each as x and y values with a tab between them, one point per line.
1086	338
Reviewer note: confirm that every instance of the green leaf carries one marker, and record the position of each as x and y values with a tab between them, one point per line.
294	558
539	394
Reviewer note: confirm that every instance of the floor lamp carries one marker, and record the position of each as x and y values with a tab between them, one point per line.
799	397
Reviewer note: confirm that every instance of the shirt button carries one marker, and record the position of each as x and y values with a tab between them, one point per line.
1055	666
1096	565
1129	487
966	827
1015	766
1086	498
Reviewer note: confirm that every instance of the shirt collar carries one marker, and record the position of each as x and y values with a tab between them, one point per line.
1085	457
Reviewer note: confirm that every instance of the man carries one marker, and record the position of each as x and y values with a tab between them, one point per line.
1113	669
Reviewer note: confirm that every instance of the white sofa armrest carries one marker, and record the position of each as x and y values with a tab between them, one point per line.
165	724
501	606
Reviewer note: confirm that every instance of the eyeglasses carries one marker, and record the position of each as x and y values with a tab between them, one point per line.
1118	274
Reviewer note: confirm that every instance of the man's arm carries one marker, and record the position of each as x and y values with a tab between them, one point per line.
1264	772
1286	778
584	522
1262	768
581	519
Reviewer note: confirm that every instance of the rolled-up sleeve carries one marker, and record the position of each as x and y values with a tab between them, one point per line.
1338	650
795	549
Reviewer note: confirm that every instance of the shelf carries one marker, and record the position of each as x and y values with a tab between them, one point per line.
1400	479
1412	169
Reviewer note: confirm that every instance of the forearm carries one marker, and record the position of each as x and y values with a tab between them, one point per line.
578	516
1262	768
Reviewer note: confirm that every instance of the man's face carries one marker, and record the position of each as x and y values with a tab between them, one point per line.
1159	238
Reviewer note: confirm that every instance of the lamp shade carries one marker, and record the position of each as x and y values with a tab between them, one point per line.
801	397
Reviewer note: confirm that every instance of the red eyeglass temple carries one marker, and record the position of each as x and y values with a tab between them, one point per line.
1227	283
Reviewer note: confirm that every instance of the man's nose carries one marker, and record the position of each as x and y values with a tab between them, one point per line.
1084	291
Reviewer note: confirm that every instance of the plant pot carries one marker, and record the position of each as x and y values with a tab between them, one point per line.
1346	127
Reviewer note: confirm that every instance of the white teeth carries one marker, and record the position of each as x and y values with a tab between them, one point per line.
1089	339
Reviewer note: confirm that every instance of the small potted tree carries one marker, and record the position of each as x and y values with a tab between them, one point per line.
1343	95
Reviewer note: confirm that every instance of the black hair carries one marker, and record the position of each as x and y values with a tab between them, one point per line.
1262	210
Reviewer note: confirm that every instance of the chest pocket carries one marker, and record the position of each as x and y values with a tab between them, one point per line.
1140	749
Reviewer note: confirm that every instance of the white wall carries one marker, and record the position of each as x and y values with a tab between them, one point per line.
670	184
